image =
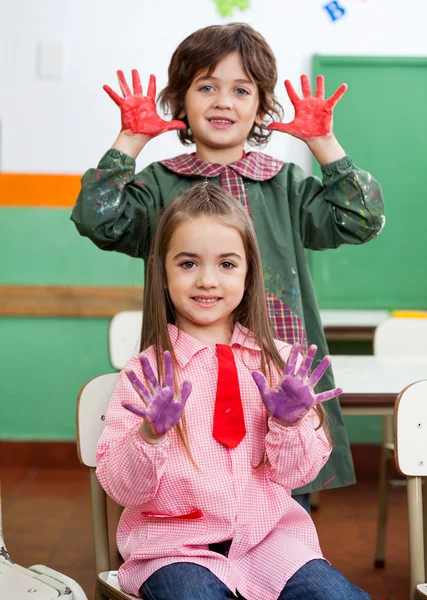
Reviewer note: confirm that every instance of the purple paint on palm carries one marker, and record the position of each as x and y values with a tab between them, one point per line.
162	410
294	396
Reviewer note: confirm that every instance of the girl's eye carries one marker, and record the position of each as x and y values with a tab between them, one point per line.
242	92
188	264
228	265
206	88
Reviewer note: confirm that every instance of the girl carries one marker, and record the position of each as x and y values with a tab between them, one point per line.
208	507
221	87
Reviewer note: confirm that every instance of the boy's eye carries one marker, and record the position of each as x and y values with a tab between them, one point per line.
242	92
206	88
227	265
187	264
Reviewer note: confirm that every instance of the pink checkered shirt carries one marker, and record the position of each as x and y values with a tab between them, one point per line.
173	510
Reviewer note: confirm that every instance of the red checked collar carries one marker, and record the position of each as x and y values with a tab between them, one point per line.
254	165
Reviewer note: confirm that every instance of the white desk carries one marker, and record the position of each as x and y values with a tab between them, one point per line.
372	384
351	324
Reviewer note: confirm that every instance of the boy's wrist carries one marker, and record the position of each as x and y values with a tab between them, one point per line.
130	144
326	149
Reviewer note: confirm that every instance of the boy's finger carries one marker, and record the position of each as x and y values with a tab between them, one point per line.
123	85
320	86
172	125
115	97
136	82
151	92
293	96
338	95
305	86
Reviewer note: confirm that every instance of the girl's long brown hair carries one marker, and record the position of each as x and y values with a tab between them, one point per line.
202	51
207	199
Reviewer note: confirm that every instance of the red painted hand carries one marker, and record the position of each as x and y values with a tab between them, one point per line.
139	114
313	114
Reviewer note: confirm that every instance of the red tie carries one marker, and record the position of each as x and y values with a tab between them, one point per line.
229	422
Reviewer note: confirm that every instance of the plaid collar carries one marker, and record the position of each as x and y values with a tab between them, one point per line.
254	165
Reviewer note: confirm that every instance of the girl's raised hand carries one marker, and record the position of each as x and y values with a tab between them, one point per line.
294	396
139	114
313	114
162	410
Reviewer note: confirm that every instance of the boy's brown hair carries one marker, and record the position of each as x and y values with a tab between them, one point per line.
202	51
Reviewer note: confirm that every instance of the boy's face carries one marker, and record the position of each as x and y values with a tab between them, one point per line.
221	109
206	270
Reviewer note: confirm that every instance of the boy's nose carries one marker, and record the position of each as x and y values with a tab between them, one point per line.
223	101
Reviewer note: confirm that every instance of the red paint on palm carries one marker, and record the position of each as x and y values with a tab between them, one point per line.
139	113
313	114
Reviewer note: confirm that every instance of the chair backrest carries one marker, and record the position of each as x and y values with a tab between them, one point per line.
396	337
124	337
410	419
92	405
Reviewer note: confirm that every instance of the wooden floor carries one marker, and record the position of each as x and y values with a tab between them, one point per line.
47	520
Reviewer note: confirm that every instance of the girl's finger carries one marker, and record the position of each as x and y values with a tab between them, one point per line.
293	96
185	392
148	372
151	92
168	369
261	382
139	388
308	361
338	95
123	85
140	411
324	396
320	86
115	97
305	86
292	359
136	82
319	371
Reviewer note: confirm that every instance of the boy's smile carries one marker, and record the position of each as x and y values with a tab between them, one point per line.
206	273
221	109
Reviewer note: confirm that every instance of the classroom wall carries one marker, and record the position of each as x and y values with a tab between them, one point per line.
63	126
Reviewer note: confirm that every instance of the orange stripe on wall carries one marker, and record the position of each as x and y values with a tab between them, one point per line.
45	191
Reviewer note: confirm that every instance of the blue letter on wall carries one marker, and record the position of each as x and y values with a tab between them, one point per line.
335	11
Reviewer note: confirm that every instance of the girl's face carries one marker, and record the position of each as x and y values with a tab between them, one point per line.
206	272
221	110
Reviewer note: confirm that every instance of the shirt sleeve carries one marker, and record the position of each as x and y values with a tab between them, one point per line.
128	468
296	454
346	207
114	205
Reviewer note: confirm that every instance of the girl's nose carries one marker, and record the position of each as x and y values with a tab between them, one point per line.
207	279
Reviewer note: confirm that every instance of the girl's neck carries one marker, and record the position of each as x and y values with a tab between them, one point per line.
208	335
222	156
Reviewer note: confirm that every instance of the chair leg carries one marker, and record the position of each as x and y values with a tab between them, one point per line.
314	501
416	542
379	562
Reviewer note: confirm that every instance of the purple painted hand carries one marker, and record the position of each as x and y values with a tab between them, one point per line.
294	396
162	410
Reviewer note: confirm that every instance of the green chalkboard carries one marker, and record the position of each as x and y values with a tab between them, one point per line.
382	123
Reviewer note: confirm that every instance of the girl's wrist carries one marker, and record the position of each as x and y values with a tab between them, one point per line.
130	144
326	149
147	434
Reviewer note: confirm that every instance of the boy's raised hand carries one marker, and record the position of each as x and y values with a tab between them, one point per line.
294	396
313	114
139	114
162	410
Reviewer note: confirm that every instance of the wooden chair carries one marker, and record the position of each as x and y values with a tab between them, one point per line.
394	338
410	421
35	583
124	336
92	405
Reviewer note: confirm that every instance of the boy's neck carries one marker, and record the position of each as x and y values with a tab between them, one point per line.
222	156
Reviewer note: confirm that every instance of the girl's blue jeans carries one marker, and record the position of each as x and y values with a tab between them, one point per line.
316	580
